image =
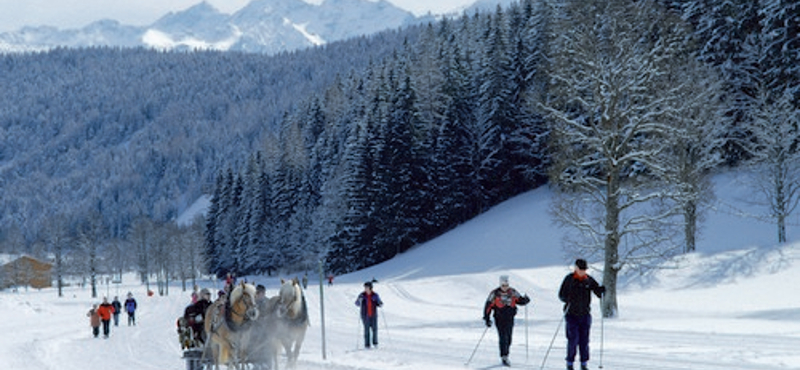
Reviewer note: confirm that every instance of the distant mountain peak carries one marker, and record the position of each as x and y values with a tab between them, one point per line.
263	26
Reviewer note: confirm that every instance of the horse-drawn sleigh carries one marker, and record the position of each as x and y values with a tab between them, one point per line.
245	330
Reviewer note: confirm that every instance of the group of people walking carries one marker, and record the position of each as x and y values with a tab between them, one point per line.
576	293
101	315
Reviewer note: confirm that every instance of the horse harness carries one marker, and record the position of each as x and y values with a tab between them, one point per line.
229	311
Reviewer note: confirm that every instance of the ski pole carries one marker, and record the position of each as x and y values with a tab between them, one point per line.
386	327
477	345
360	332
526	334
602	325
547	353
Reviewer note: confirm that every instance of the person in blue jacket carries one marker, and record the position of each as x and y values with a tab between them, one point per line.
369	301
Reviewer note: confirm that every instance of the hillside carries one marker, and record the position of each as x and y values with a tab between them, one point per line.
717	310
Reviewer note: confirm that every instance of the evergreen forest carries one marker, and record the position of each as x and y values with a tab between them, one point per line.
354	152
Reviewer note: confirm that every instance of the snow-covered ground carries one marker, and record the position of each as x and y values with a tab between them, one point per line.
734	305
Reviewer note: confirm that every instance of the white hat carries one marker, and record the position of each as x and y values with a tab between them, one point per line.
503	279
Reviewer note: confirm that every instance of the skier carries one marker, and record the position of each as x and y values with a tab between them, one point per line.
503	300
576	293
369	301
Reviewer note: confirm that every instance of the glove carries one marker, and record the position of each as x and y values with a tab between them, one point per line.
602	290
488	323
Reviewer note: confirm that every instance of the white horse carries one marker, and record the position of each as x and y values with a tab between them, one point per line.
291	318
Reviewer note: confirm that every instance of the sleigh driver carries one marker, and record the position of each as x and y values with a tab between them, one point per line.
194	317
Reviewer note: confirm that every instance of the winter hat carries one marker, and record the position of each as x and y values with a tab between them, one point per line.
580	263
368	284
503	279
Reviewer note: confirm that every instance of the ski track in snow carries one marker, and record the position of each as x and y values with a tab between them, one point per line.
431	323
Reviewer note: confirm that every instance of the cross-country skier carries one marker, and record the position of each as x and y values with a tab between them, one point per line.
576	293
369	301
503	301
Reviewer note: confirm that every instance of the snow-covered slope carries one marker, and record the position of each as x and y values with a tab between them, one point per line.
733	305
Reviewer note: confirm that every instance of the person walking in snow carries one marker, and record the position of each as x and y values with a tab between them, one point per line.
94	320
130	308
117	310
503	301
106	310
576	293
369	301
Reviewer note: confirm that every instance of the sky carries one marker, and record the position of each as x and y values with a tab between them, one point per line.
731	306
15	14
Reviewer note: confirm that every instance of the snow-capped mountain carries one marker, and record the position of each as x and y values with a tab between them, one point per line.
264	26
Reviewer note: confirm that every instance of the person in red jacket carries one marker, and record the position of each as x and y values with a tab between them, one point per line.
503	301
106	310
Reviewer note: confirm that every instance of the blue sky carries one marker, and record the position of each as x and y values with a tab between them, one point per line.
15	14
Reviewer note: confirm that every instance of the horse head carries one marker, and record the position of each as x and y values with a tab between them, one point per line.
289	298
243	302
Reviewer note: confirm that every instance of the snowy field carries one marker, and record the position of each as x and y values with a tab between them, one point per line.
734	305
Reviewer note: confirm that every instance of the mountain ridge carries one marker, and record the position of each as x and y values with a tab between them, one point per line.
268	27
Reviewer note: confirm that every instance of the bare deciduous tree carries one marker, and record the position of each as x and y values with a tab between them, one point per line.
776	158
611	131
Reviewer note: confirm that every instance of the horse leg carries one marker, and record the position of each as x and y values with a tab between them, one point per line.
298	342
274	353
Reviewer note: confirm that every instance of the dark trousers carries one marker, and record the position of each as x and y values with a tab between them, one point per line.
95	331
106	329
370	327
131	319
578	336
505	328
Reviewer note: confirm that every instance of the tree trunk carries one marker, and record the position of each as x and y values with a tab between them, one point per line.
609	303
780	202
690	226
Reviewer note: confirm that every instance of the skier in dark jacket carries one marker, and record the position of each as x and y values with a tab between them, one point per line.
369	301
576	293
503	301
